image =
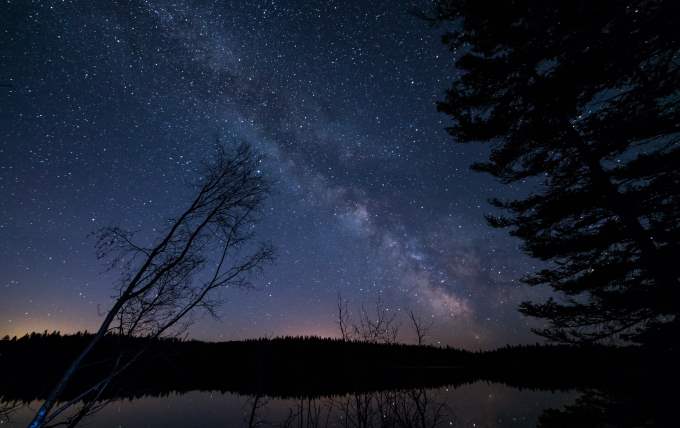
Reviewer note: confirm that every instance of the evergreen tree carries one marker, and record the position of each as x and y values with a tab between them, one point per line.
580	102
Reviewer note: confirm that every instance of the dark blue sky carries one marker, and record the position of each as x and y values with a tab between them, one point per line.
107	107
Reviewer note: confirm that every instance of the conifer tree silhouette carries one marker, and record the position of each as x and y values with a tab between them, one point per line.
580	102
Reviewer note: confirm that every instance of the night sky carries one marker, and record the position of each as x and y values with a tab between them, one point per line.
107	108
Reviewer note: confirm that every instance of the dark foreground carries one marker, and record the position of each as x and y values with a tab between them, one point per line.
351	383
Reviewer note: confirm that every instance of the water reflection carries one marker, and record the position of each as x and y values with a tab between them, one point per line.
650	406
478	404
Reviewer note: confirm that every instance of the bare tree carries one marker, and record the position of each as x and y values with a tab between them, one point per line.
200	252
343	318
89	397
379	326
421	328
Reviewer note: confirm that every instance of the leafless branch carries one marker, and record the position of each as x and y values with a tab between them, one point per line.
420	327
206	248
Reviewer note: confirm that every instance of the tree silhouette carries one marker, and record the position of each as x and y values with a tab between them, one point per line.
420	327
200	252
374	326
580	102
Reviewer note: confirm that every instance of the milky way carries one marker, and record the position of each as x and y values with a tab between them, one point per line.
107	108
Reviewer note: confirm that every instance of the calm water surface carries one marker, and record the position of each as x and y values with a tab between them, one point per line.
479	404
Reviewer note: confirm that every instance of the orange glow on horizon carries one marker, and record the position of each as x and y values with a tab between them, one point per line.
22	327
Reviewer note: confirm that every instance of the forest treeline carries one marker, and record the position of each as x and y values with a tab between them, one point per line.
304	366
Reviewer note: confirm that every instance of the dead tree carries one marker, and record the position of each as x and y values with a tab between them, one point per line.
376	326
381	326
343	318
207	247
420	327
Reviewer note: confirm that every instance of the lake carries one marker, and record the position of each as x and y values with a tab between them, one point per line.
316	382
480	404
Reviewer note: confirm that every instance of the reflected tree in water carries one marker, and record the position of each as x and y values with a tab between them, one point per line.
415	408
254	405
649	404
385	409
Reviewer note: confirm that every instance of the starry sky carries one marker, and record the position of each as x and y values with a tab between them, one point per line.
107	108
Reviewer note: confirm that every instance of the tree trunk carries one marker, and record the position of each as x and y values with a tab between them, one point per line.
42	414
